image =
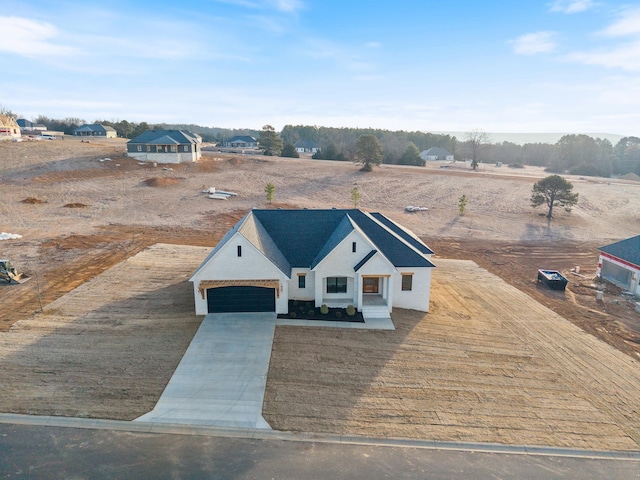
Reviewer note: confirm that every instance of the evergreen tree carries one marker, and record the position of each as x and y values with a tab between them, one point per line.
411	156
368	152
269	142
289	151
553	191
270	190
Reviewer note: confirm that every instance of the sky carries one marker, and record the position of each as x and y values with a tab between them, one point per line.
569	66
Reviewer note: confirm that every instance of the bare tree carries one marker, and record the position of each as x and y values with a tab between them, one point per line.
476	141
7	112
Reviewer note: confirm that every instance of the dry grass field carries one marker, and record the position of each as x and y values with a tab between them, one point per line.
84	216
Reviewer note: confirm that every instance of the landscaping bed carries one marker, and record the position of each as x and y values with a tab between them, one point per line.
306	310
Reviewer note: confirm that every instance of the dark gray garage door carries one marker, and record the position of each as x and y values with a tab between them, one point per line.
241	299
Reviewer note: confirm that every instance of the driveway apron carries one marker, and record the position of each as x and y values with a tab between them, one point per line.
221	378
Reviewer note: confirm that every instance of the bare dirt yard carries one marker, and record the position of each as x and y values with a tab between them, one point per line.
487	364
83	208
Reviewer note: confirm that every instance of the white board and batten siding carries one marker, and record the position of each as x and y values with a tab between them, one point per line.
172	157
251	265
418	297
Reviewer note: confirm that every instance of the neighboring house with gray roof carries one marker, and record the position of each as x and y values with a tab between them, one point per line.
95	130
166	146
306	146
333	257
242	141
436	153
28	126
619	263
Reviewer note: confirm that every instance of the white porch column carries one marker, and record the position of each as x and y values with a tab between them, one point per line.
319	289
389	282
357	285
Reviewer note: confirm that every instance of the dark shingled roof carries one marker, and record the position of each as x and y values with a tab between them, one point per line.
305	144
627	250
436	151
242	138
344	228
94	127
404	234
302	238
362	262
166	137
306	236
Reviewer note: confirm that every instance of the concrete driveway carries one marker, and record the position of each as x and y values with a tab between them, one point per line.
221	378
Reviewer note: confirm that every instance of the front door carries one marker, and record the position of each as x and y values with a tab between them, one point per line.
370	285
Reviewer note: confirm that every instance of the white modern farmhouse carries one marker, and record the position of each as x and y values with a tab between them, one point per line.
165	146
333	257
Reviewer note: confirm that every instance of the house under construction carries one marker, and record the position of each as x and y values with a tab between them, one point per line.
9	129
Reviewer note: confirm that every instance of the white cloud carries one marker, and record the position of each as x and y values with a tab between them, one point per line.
624	55
287	6
627	24
571	6
373	45
534	43
31	38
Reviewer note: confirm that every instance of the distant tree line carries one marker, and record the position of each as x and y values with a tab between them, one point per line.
573	154
126	129
340	143
66	125
576	154
212	134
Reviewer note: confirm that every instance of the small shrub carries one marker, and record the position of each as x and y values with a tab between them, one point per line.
294	303
301	308
311	313
351	310
324	309
516	165
338	314
292	314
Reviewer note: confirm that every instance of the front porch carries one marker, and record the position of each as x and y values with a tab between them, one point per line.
368	299
373	300
374	306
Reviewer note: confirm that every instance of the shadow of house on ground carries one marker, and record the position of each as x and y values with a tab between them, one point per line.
487	364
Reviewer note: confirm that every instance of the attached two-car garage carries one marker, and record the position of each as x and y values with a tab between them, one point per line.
241	299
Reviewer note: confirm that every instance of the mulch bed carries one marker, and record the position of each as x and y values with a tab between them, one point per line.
305	310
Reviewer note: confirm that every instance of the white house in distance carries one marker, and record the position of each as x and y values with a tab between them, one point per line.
333	257
619	263
436	153
306	146
29	127
166	146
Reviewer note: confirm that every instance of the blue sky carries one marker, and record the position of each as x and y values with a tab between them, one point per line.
500	66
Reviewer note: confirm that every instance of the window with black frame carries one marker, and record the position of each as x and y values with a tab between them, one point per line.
336	284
